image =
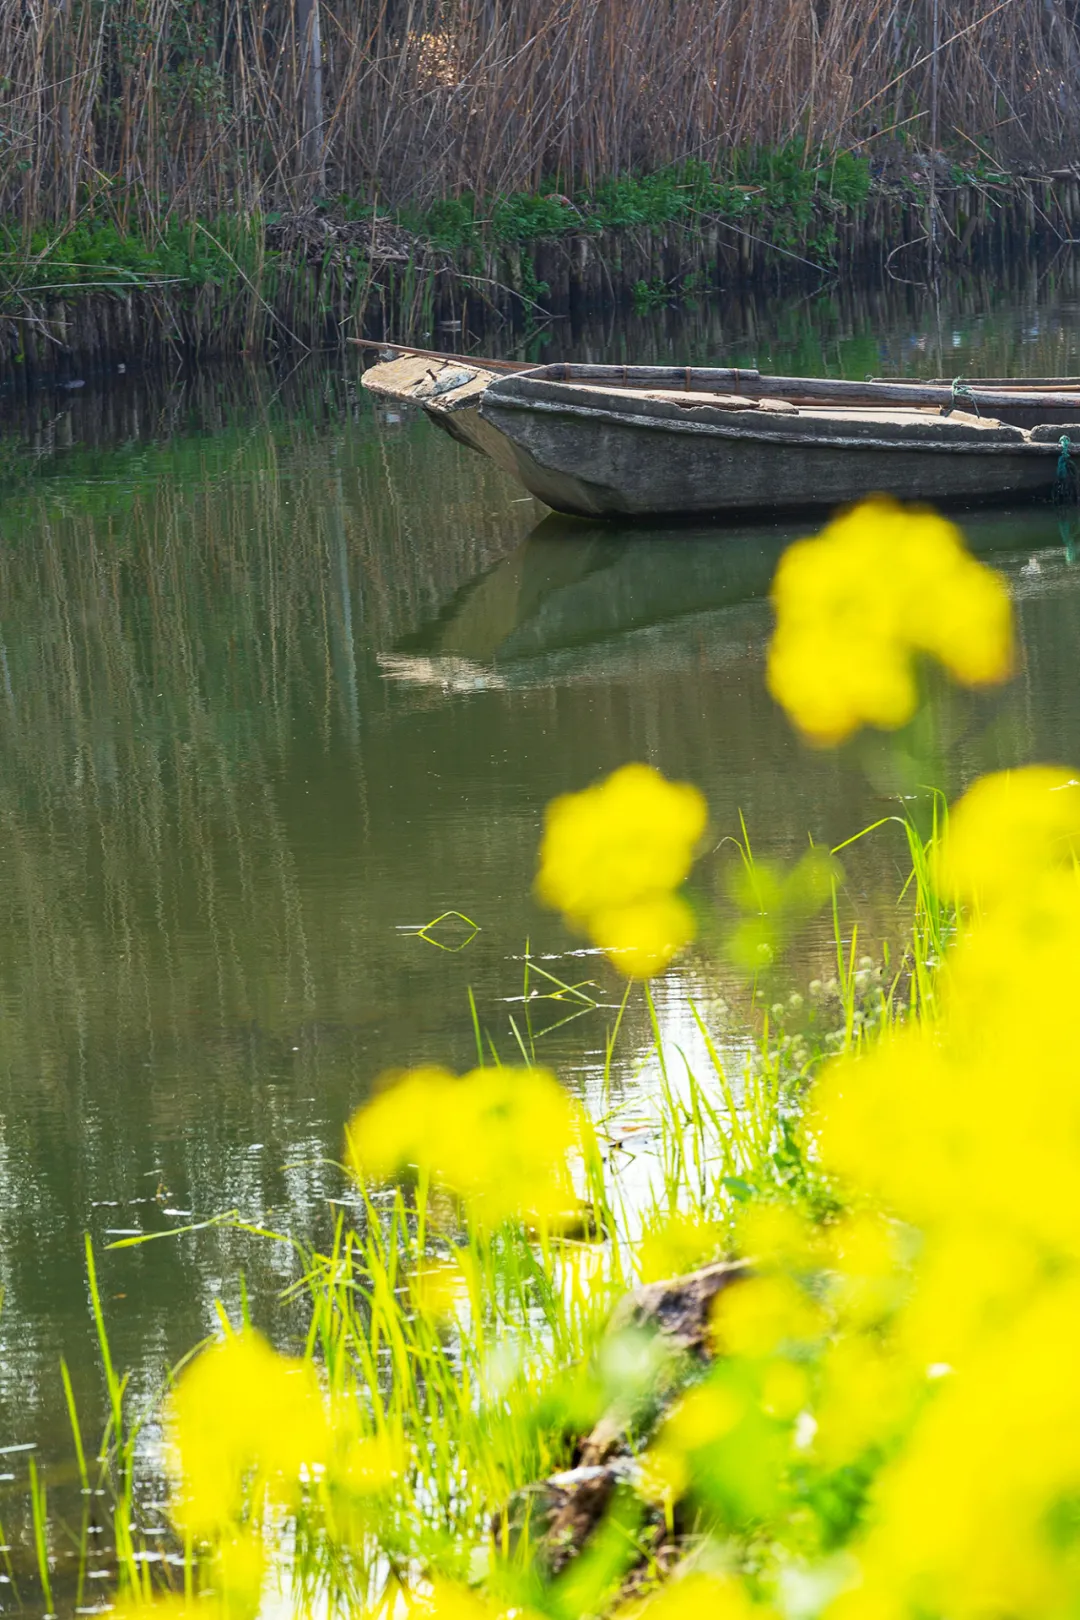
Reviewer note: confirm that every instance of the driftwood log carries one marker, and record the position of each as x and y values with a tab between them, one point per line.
561	1513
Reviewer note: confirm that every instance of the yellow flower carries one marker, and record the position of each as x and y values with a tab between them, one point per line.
680	1244
401	1127
976	1516
965	1123
697	1596
853	605
173	1606
1007	830
642	939
244	1423
449	1602
240	1568
440	1289
369	1465
865	1394
498	1138
764	1315
611	858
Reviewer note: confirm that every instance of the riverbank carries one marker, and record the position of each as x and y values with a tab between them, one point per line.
81	302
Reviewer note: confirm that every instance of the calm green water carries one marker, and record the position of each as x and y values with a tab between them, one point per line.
283	678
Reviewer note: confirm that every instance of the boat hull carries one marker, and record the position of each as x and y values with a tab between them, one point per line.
663	442
617	465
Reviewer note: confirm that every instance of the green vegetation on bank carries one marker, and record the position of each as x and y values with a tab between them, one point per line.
779	194
782	189
227	282
189	151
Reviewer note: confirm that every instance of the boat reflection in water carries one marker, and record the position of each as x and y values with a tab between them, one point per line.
574	600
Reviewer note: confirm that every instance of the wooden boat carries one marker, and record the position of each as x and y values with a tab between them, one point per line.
662	441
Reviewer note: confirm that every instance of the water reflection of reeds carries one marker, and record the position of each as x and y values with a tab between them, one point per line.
167	640
188	961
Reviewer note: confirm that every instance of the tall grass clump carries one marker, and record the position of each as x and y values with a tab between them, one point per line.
149	111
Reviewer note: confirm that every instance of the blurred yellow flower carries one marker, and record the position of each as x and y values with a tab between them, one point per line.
705	1413
498	1138
1008	829
171	1606
977	1515
955	1349
642	939
440	1289
369	1464
244	1424
854	604
239	1570
446	1601
785	1387
865	1392
778	1234
681	1243
764	1315
697	1596
611	857
401	1127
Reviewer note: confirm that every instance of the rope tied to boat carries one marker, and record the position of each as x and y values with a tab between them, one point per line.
1065	490
1069	530
961	392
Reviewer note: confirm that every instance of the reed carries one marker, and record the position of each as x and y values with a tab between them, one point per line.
151	111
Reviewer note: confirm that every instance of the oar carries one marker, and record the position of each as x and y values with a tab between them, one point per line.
402	349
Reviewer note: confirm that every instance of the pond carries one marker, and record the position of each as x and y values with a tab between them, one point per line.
283	678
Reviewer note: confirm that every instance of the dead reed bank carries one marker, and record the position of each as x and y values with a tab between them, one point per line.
153	110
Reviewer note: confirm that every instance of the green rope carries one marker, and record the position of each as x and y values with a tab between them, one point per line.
1065	488
961	391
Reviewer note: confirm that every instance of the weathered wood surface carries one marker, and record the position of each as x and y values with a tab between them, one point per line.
450	392
396	351
602	452
991	399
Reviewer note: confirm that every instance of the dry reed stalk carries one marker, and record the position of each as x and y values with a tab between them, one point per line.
151	108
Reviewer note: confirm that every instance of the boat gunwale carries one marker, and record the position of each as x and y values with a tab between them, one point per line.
684	379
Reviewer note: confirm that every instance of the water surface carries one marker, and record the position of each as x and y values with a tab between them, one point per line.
282	678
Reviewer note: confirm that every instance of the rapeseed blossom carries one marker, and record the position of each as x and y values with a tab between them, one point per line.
612	858
697	1596
964	1127
498	1138
1008	830
679	1244
923	1341
854	606
246	1426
